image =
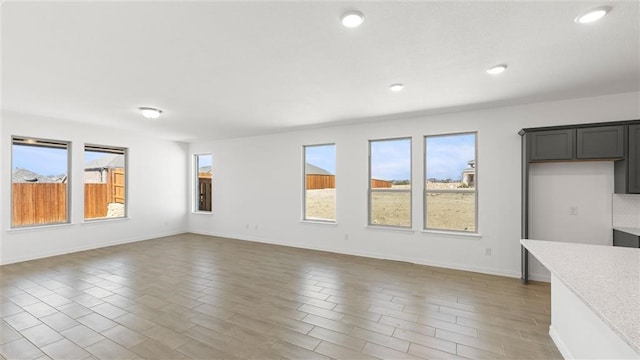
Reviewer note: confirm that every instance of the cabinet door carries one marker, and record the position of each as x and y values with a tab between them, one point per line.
634	159
605	142
552	144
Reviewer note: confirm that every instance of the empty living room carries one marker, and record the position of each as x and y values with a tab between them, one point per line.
319	180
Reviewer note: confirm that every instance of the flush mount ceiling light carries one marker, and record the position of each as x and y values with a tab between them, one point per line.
498	69
592	15
396	87
352	19
149	112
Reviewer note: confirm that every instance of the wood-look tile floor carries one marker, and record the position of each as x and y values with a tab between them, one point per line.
198	297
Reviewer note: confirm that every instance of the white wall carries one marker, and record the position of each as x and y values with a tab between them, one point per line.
626	210
554	189
3	175
257	184
156	193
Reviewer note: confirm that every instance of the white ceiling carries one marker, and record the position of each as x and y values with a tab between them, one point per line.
228	69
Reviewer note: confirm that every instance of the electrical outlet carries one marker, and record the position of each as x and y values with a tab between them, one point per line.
487	251
573	210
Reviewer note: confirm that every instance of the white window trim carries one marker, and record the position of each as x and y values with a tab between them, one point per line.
68	147
304	218
427	230
195	198
370	190
125	152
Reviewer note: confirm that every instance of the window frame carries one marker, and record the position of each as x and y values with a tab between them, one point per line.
474	191
115	150
304	186
370	189
30	141
196	185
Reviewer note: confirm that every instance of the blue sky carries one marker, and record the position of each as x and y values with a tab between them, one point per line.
322	156
391	159
40	160
448	155
205	160
92	155
46	161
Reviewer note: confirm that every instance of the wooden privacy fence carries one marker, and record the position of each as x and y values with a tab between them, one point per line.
98	196
318	181
96	200
46	203
204	193
375	184
43	203
116	185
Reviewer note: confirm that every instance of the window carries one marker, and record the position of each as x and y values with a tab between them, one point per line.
390	182
40	183
105	182
450	182
320	182
203	185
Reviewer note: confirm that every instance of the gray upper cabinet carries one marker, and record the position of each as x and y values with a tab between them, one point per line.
606	142
634	159
551	144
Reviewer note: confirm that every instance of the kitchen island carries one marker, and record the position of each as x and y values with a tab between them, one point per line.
595	298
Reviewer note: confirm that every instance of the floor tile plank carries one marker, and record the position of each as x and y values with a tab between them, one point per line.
192	296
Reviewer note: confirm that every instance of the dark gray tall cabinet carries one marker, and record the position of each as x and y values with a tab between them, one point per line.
614	141
627	180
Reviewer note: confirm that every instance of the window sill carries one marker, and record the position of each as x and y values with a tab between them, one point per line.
452	233
38	227
201	213
389	228
318	222
105	220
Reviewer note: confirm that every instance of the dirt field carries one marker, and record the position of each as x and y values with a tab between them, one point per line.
321	204
452	211
391	208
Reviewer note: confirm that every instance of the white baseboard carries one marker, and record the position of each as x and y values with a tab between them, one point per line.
562	347
540	277
92	246
483	270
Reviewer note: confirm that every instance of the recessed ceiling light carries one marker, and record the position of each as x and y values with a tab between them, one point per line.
592	15
396	87
498	69
149	112
352	19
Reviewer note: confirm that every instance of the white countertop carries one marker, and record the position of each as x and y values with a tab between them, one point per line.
605	278
629	230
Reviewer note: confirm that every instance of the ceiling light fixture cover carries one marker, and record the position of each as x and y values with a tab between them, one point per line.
352	19
149	112
498	69
592	15
396	87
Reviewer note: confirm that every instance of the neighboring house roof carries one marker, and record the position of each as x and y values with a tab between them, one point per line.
106	162
205	169
27	176
314	170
